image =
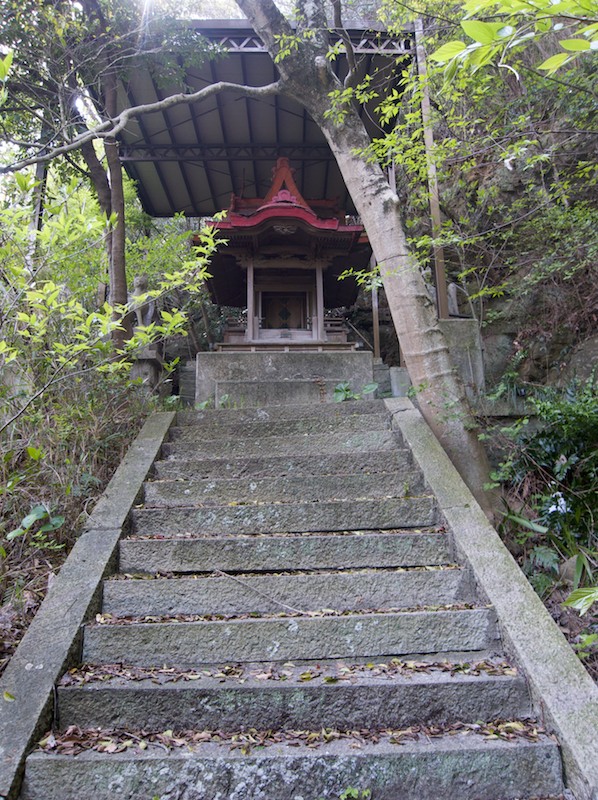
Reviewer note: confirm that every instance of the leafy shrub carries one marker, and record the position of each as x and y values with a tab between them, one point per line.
553	474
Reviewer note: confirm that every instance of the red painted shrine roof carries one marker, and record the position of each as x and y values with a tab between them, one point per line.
285	202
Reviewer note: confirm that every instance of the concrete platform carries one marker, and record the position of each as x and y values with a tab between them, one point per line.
215	370
310	425
224	417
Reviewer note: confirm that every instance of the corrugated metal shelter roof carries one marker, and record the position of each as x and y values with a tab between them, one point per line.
192	158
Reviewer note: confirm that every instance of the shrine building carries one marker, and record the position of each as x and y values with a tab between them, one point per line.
282	268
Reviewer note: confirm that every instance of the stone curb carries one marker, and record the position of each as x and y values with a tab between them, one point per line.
113	507
53	638
560	685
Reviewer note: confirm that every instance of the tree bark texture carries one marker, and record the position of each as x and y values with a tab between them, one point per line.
306	76
117	271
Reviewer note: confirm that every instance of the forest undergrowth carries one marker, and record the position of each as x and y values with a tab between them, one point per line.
548	474
56	461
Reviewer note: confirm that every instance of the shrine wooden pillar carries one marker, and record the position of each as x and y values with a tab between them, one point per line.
251	332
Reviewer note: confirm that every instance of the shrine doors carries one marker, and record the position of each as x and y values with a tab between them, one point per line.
284	310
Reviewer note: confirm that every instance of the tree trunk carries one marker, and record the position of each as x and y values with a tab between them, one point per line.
117	271
307	78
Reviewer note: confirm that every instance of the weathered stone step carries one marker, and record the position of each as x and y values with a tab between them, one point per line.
304	489
272	593
278	466
295	703
252	393
291	638
291	412
305	426
297	444
467	767
271	553
411	512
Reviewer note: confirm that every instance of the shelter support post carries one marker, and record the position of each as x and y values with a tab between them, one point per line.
250	333
375	313
320	302
439	268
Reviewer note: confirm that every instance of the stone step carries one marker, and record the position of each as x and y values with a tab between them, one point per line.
255	394
323	411
464	766
304	489
272	553
278	466
241	594
342	700
288	638
306	426
251	393
408	512
297	444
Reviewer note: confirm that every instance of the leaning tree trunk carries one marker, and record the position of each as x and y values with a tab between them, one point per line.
307	77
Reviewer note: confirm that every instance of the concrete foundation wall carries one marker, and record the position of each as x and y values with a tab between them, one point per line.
465	344
213	369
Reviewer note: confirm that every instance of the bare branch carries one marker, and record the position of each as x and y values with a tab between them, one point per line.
340	29
112	127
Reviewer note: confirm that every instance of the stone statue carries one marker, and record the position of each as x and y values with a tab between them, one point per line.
145	311
453	300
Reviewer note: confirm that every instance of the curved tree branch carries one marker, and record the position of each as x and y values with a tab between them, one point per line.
340	29
112	127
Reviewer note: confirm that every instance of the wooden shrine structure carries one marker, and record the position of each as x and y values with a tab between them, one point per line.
281	269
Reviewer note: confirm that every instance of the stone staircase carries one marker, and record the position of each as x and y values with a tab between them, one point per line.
289	619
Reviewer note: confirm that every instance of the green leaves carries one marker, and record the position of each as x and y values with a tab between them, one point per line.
522	23
582	599
575	45
5	65
554	62
36	514
485	32
448	51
